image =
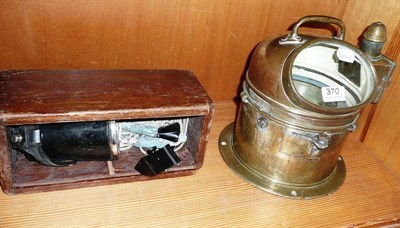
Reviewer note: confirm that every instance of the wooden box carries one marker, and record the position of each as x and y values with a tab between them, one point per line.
65	96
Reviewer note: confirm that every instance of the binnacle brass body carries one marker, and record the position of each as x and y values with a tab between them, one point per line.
291	123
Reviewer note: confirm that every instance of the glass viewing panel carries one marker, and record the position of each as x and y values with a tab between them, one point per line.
332	76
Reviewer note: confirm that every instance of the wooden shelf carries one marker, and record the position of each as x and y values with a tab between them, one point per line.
215	197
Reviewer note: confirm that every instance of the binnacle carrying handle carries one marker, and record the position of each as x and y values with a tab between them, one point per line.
294	37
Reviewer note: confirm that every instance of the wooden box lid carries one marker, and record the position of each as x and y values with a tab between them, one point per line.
32	97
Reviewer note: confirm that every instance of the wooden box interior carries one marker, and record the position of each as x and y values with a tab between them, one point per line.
21	176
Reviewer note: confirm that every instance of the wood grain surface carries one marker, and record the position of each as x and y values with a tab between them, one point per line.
379	125
212	38
214	197
383	135
32	97
371	11
215	40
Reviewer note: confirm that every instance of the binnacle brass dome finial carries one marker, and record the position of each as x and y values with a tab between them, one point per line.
376	32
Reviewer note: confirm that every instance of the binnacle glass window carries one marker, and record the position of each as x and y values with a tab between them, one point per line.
332	76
